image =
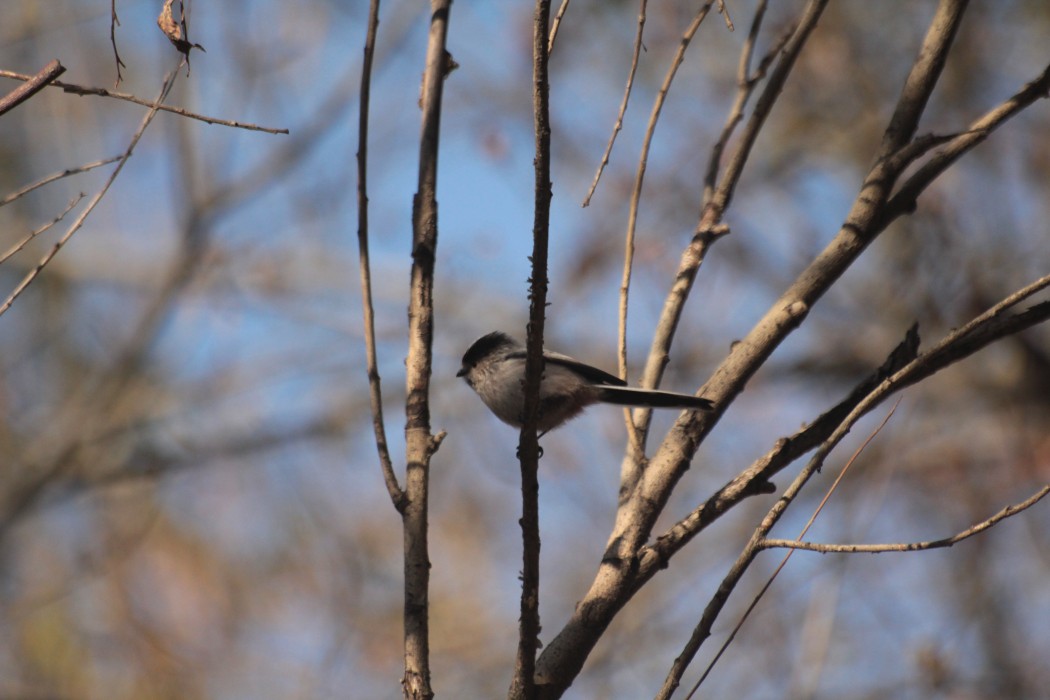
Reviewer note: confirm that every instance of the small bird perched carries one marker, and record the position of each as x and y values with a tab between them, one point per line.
494	367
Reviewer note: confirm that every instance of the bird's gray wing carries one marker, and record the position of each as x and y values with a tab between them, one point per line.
591	374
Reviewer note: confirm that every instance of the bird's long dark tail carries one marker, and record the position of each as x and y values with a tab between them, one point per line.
629	396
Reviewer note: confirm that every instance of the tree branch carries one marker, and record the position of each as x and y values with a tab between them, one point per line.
614	583
56	176
1008	511
710	227
169	81
623	103
788	312
36	232
556	25
703	629
32	86
103	92
375	391
984	330
636	450
904	367
523	684
420	445
114	22
904	201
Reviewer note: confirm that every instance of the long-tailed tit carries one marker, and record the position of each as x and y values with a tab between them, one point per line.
494	367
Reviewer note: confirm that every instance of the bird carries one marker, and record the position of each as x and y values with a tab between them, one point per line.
494	367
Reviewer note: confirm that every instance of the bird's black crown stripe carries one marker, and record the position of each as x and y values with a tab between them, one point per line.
483	346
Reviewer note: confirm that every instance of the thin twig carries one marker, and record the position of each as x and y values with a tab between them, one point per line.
56	176
103	92
523	682
904	200
710	226
33	85
375	393
33	234
724	11
114	22
748	555
636	443
169	81
617	579
623	103
715	208
897	373
985	329
978	528
746	82
556	24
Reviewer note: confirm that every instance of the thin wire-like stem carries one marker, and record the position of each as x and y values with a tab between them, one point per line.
748	555
746	82
632	215
56	176
114	22
623	103
375	393
693	258
975	529
103	92
724	11
169	81
976	334
982	331
36	232
556	25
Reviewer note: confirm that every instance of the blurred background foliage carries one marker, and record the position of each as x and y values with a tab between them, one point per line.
190	505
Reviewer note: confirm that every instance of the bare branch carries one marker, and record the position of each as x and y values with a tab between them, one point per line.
623	103
33	234
420	444
715	208
56	176
103	92
988	327
862	225
32	86
1008	511
710	227
904	201
746	82
724	11
114	22
375	392
523	683
924	74
636	442
169	81
556	25
714	607
616	580
903	368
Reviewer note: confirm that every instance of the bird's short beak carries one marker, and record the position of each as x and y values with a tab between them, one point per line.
462	372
